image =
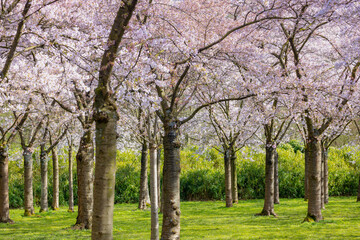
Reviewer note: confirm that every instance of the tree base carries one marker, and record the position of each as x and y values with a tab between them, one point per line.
80	226
70	210
9	221
43	210
29	213
267	213
311	218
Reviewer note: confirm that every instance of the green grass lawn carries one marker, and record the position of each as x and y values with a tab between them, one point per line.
203	220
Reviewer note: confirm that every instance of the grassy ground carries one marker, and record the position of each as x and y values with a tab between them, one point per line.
203	220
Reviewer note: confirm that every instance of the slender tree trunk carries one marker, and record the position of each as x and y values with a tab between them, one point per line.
28	187
154	194
269	181
71	189
306	185
44	180
276	179
158	158
144	189
228	192
234	189
322	180
171	183
85	166
358	195
314	178
326	176
55	160
4	186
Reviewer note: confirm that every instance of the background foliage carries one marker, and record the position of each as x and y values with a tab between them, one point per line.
202	174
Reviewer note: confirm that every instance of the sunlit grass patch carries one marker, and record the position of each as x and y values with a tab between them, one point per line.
203	220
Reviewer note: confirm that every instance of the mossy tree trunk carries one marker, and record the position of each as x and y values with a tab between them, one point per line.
106	118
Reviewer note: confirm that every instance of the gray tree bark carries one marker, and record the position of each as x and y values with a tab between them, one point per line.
154	193
228	192
55	161
71	188
4	186
28	185
314	178
44	179
234	186
269	181
85	165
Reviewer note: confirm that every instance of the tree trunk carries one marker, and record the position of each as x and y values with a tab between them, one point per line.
358	195
154	194
71	190
85	165
144	189
276	179
269	181
158	163
306	185
326	176
106	117
234	189
55	160
28	187
4	186
322	175
44	180
314	178
228	192
171	183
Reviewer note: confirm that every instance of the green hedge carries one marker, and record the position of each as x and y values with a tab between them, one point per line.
202	176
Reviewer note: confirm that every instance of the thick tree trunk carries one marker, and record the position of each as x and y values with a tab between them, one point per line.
171	184
314	178
158	163
228	192
144	189
326	177
306	184
154	194
44	180
85	165
4	186
71	189
276	179
55	160
234	189
104	184
28	187
269	181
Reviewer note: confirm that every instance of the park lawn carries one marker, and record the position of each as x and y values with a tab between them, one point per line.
203	220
